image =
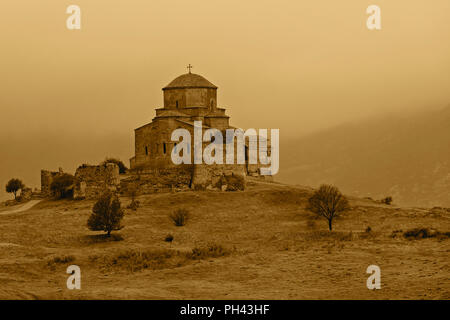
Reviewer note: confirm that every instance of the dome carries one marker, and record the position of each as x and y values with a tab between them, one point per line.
189	80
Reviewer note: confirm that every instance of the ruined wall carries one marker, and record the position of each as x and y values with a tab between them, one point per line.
92	181
225	177
46	180
153	180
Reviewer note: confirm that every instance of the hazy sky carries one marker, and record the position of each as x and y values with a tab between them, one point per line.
289	64
294	65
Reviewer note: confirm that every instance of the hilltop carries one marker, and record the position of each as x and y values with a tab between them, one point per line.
260	244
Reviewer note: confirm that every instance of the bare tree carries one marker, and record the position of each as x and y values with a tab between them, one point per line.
328	202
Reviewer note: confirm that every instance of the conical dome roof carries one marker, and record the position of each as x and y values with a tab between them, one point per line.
189	80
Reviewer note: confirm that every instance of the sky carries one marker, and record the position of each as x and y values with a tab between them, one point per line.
299	66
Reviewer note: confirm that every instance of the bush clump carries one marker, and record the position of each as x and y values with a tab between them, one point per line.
168	238
122	168
387	200
179	217
134	205
211	250
62	185
136	260
424	233
235	183
63	259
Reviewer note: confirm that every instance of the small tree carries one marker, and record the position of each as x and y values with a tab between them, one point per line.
106	214
61	185
328	202
13	186
387	200
179	217
119	163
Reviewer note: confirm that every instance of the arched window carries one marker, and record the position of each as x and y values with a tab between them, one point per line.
176	102
146	150
164	148
211	104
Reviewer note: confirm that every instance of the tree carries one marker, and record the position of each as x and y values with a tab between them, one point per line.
387	200
328	202
119	163
106	214
13	186
62	185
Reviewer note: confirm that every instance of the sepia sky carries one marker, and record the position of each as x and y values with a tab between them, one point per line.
293	65
299	66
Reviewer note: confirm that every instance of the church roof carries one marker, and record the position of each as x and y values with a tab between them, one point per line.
189	80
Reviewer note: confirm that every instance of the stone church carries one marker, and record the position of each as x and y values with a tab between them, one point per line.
188	98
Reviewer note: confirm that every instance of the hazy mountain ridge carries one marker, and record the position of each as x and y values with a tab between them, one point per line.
407	157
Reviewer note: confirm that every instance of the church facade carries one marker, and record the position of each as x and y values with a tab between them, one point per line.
188	98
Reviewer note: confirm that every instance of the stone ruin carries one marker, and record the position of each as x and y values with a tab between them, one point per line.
47	179
91	181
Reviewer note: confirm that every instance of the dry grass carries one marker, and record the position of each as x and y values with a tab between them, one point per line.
280	250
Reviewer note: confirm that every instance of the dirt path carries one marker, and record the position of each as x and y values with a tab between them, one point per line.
25	207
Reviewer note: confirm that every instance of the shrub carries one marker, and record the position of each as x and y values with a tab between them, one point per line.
387	200
328	202
179	217
235	183
106	214
135	260
62	185
134	205
211	250
420	233
424	233
60	260
119	163
13	186
63	259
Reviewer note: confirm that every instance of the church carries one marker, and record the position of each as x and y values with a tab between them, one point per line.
188	98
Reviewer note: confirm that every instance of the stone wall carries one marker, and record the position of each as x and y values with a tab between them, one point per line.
46	181
219	177
92	181
158	180
185	177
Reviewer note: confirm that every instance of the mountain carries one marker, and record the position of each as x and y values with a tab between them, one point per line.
406	157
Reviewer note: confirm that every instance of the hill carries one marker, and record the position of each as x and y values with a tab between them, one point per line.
407	157
256	244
